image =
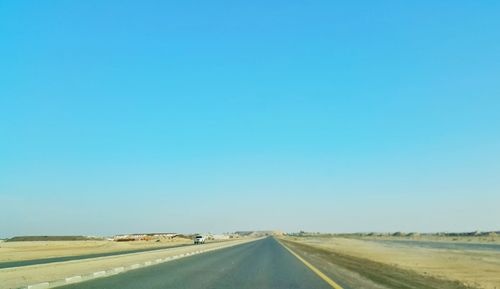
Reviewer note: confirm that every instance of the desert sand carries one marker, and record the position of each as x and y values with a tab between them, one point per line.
27	250
477	268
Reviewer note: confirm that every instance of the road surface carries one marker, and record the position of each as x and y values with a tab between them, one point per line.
257	265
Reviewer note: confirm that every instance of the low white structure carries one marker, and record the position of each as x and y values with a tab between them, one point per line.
148	236
220	237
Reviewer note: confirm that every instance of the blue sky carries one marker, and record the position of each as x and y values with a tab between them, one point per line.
126	116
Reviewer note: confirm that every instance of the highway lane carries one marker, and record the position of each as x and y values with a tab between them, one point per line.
12	264
261	264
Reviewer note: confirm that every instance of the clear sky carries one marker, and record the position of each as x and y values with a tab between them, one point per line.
127	116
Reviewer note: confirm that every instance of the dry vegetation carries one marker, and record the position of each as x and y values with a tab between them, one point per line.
465	237
490	238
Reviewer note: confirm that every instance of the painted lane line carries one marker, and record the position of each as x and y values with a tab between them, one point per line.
314	269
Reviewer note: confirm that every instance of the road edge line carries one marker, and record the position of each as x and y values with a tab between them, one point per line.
314	269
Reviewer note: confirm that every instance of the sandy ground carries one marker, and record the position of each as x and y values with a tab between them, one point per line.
23	276
16	251
480	269
494	239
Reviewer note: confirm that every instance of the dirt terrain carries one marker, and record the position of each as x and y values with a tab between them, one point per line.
390	265
489	239
27	250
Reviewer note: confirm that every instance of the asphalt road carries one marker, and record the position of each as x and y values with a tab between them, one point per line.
12	264
257	265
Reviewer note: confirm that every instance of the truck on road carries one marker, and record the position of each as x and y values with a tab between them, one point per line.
199	239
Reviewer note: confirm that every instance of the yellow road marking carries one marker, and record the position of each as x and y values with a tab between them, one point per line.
314	269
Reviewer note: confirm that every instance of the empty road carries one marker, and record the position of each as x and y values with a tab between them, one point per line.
261	264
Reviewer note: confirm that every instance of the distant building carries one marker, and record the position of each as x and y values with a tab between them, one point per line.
258	233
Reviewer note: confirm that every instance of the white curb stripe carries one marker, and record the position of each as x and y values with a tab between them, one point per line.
73	279
99	274
39	285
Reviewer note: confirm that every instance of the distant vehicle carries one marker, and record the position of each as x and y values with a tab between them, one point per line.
199	239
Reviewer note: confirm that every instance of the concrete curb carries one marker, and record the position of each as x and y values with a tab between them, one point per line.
39	285
73	279
118	270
